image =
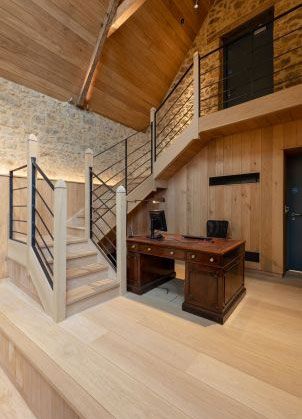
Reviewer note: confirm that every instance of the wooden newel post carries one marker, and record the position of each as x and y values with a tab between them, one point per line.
121	238
32	152
196	89
88	180
59	249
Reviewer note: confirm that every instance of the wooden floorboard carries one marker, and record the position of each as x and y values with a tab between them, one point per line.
138	360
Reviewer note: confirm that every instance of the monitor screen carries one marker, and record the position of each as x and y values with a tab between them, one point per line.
158	220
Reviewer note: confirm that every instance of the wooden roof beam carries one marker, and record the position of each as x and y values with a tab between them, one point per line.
96	55
124	12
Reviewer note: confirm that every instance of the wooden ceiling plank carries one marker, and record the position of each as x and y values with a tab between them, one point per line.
86	13
95	58
128	59
33	67
45	30
134	102
109	77
13	72
154	52
123	13
66	20
115	108
21	44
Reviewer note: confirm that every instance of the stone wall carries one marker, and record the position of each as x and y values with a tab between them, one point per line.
64	132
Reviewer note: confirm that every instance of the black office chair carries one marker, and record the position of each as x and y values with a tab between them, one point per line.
217	228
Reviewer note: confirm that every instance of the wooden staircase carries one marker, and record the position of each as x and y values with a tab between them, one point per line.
89	278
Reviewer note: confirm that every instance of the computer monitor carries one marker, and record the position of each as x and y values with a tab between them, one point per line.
157	222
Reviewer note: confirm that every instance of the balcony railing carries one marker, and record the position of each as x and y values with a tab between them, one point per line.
286	62
179	109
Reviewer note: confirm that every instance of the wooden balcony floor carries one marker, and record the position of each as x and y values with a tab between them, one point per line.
137	361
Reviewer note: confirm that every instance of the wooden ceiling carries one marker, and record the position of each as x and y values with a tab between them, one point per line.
141	59
47	45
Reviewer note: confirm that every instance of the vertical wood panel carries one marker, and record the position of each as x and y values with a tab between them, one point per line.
255	211
266	199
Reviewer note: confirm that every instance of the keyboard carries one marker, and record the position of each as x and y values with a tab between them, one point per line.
188	236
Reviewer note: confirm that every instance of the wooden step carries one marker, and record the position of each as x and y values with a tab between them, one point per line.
76	230
86	291
70	240
93	268
78	255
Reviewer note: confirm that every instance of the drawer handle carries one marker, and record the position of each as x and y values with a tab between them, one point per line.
193	256
211	260
133	246
171	253
149	249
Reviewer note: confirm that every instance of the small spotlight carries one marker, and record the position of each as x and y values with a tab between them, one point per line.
196	5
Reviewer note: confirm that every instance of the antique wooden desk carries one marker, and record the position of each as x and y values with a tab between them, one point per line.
214	281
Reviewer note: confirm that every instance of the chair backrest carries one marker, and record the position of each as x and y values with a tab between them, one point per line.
217	228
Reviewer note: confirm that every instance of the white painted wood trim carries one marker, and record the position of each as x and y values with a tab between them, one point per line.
32	151
121	238
196	90
59	267
88	165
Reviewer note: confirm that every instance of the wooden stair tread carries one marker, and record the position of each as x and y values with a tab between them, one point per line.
85	291
76	227
85	270
70	240
79	254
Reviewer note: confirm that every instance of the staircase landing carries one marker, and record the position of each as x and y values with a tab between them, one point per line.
279	107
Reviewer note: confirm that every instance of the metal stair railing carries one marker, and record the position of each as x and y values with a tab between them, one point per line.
126	163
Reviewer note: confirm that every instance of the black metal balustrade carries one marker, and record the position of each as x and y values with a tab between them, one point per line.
42	220
18	204
175	113
132	164
286	63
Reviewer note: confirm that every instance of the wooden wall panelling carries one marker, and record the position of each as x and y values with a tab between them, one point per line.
266	199
255	210
20	277
43	400
278	197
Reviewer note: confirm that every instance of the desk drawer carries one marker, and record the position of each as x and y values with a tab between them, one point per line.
164	252
206	258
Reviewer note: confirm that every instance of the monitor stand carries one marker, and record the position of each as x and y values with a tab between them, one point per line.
155	236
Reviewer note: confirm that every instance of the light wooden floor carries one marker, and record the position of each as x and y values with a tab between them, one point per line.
139	361
12	406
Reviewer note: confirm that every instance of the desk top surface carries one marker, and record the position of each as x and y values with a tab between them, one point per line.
216	246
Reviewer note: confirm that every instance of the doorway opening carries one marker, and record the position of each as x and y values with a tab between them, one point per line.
293	210
248	56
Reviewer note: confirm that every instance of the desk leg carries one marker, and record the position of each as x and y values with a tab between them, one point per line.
145	272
